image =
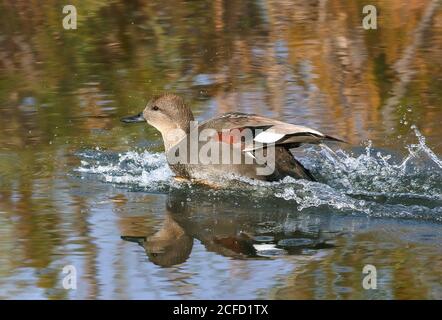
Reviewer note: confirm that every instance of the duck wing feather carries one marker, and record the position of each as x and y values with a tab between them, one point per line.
267	131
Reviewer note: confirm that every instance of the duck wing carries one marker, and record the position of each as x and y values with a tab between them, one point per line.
266	130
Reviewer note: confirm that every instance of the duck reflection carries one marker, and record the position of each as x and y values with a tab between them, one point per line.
237	232
167	247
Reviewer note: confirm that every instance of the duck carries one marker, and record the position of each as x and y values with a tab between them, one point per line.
232	144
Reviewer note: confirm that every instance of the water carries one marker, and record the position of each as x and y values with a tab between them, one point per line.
370	183
79	188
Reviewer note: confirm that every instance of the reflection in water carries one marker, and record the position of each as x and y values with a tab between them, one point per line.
316	246
168	246
306	62
302	62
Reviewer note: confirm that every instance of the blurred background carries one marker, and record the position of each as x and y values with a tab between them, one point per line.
305	62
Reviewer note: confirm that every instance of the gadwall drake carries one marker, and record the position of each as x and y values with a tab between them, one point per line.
259	142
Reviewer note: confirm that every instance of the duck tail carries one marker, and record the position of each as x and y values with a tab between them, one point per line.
330	138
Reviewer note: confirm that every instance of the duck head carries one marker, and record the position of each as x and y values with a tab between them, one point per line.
169	114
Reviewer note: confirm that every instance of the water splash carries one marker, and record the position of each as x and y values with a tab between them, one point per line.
418	174
421	147
147	170
374	183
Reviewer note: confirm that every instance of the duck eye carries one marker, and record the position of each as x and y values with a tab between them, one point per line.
155	108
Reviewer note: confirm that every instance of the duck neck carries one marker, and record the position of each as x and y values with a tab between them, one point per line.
173	135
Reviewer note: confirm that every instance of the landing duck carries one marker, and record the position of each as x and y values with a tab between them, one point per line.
207	150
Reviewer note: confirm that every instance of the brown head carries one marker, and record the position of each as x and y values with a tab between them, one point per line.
168	114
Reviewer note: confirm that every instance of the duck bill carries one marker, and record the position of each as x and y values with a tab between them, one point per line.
134	119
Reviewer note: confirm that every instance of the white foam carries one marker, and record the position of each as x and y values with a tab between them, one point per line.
143	169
